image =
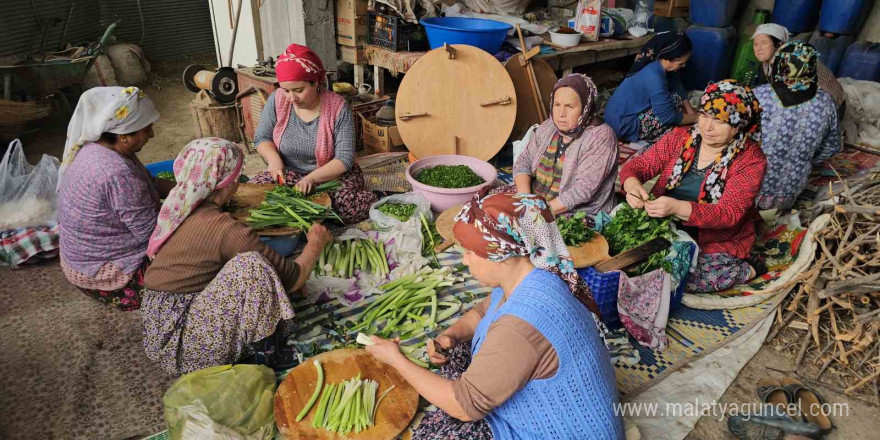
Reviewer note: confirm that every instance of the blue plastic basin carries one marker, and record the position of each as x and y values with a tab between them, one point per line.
488	35
158	167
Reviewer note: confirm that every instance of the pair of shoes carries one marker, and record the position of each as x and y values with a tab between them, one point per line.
811	407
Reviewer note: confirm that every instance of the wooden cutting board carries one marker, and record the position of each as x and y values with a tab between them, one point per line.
526	113
251	195
444	223
590	253
393	415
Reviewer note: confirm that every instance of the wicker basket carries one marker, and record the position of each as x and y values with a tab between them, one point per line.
22	112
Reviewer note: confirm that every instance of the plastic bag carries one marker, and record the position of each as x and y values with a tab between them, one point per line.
220	403
520	145
27	192
588	19
384	222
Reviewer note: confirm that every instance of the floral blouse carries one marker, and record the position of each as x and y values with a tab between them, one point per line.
794	140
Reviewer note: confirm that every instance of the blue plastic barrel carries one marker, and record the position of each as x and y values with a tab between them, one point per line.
711	58
712	13
844	16
831	49
797	15
488	35
861	61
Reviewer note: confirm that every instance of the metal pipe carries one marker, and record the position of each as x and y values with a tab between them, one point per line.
66	24
235	32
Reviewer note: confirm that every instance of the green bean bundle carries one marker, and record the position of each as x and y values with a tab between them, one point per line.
410	306
341	259
284	207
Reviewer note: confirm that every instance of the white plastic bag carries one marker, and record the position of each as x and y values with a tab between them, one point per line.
384	222
520	145
27	192
588	19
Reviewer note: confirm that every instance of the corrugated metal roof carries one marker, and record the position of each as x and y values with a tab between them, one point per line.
170	29
21	22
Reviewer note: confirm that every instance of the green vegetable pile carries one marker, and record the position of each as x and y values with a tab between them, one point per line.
166	175
284	206
574	229
430	237
449	176
341	259
632	227
400	211
344	407
409	307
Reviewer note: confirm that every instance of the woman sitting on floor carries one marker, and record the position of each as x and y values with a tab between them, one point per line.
799	123
710	175
768	38
557	379
306	135
107	201
651	99
215	293
572	158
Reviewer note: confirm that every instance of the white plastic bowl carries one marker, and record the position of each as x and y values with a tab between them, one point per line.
565	40
444	198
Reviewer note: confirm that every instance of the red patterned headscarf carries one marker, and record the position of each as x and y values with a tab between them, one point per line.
299	63
501	226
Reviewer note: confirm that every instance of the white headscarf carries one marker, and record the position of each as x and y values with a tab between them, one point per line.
777	31
118	110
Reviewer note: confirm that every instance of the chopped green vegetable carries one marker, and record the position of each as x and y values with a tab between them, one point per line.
166	175
400	211
574	229
449	176
284	207
315	393
633	227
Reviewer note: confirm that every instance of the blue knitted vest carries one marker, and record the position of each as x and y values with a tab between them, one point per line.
578	402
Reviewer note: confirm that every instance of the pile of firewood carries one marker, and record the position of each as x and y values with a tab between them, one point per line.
832	319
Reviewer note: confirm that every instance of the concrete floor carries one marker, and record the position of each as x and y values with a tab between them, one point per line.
174	130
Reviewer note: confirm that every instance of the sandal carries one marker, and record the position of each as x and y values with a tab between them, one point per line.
772	392
809	402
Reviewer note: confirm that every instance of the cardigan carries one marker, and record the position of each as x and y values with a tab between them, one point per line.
589	171
728	226
651	88
579	401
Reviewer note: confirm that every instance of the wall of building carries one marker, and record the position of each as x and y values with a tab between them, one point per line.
24	25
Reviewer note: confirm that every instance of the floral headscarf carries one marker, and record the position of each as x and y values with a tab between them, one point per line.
586	90
794	74
664	46
118	110
501	226
728	101
203	166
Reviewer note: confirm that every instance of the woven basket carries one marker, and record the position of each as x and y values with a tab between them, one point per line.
22	112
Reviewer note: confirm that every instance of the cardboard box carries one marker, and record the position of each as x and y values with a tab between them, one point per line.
351	22
380	138
352	55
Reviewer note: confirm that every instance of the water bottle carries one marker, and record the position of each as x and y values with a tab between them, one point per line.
644	10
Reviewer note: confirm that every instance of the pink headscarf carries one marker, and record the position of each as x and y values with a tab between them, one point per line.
203	166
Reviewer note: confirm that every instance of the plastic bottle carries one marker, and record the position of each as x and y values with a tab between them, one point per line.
862	61
746	66
711	57
797	15
844	16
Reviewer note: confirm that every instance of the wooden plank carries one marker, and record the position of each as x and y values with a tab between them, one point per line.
634	255
392	416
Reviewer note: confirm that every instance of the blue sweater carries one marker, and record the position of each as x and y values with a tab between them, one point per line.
651	88
578	402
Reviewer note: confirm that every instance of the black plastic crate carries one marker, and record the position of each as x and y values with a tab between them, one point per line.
395	34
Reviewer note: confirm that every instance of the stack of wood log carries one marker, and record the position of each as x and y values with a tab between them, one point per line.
832	318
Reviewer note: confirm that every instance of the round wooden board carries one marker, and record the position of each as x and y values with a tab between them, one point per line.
590	253
450	91
251	195
526	113
392	417
445	221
